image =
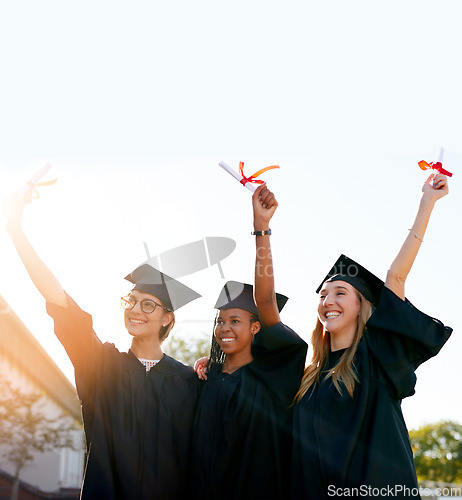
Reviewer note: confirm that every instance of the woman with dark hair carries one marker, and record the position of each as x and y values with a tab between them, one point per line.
137	406
350	438
241	443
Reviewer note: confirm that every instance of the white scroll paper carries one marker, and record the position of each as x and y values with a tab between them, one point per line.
251	187
34	180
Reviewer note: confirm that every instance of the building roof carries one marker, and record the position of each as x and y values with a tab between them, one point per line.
19	345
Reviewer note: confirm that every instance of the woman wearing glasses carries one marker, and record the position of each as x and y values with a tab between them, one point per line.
137	407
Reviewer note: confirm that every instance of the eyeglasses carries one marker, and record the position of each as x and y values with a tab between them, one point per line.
148	306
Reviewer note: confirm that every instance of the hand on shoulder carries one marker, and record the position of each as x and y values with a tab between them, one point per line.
200	367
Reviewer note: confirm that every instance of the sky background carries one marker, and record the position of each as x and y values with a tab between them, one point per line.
134	104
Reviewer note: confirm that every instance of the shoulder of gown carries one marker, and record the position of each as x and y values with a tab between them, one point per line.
74	329
400	338
279	356
172	366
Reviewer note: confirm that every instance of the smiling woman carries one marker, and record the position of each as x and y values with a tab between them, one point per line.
338	310
349	431
133	403
142	323
234	331
241	445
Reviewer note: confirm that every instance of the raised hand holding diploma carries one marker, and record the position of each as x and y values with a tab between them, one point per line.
264	205
246	181
30	186
14	205
435	187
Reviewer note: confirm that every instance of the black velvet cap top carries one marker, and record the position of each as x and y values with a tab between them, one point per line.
240	295
168	290
367	284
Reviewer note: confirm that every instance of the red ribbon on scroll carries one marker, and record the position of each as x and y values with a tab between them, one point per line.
245	179
435	166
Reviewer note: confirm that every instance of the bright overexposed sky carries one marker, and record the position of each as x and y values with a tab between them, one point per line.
134	104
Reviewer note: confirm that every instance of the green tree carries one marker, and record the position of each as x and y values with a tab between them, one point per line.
438	452
25	429
187	349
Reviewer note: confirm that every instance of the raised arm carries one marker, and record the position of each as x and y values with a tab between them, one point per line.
42	277
435	187
264	205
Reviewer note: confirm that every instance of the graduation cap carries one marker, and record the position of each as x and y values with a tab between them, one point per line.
240	295
168	290
367	284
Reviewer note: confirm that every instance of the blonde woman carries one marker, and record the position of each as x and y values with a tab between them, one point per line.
350	438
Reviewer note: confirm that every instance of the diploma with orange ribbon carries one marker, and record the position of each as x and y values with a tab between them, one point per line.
248	182
34	181
435	165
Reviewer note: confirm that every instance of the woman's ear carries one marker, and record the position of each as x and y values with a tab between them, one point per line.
256	327
168	318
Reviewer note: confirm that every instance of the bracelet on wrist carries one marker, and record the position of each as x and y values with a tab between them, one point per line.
417	236
261	233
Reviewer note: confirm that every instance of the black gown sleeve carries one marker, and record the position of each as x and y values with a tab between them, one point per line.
400	338
279	358
74	329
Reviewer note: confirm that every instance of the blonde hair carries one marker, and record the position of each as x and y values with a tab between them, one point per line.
343	373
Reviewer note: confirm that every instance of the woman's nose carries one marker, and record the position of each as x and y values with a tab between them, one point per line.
137	305
327	300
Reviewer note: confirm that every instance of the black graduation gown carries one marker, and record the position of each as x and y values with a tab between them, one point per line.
137	425
362	442
241	444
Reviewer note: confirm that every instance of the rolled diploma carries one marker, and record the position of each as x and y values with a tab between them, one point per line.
439	155
33	180
237	176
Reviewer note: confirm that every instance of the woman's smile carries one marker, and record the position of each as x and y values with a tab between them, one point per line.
228	340
338	308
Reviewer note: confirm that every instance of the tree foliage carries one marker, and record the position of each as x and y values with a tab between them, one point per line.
187	349
438	452
25	429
